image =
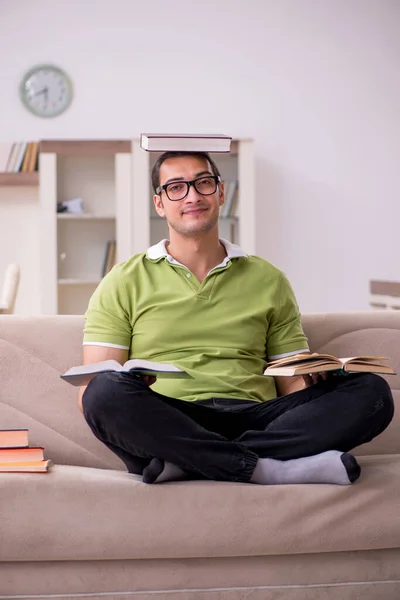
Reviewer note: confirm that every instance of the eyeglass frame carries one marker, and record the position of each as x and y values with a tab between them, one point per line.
216	178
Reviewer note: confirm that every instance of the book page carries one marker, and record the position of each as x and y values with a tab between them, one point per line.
303	358
104	365
138	363
364	359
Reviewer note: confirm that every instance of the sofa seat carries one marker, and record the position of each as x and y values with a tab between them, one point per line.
110	514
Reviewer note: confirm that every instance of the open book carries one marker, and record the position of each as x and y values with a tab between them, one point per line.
303	364
83	374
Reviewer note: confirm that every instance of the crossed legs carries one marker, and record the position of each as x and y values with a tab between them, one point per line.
302	437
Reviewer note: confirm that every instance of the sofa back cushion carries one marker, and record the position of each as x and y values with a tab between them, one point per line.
35	350
33	353
363	333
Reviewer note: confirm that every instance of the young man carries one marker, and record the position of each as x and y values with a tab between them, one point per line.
202	304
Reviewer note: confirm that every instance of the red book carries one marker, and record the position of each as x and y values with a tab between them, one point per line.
25	467
13	438
21	454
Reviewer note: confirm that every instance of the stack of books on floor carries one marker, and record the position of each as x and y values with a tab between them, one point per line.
16	456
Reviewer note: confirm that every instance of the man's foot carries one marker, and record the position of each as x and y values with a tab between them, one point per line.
159	471
332	466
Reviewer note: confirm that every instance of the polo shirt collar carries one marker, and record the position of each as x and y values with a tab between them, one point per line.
160	251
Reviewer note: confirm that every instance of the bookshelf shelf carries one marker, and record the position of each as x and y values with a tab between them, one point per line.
19	179
85	147
84	216
72	281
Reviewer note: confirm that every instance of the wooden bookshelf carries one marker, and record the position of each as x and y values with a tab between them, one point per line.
73	245
22	179
85	147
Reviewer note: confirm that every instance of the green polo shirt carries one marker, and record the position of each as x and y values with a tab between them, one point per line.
220	331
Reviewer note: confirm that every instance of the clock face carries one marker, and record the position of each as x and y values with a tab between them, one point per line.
46	91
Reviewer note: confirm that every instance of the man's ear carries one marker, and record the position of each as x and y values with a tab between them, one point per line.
158	205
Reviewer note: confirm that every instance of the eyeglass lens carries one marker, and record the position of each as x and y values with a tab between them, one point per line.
179	189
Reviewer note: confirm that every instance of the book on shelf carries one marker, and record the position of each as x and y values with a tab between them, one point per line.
17	163
27	158
13	438
19	157
109	257
6	150
233	205
81	375
33	158
231	195
190	142
304	364
25	466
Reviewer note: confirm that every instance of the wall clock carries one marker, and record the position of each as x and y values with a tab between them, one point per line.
46	91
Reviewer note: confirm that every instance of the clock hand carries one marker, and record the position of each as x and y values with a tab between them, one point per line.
43	91
46	96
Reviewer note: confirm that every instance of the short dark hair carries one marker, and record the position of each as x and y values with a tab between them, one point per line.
155	173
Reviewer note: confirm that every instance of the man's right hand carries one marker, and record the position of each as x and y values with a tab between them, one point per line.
93	354
147	379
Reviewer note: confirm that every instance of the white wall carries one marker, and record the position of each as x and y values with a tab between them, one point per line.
315	82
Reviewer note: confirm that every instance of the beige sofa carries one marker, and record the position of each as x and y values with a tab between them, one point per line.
88	529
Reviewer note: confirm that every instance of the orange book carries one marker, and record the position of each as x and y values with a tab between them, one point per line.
27	158
13	438
21	454
33	157
25	467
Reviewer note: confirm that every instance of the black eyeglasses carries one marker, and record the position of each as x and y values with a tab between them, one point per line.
178	190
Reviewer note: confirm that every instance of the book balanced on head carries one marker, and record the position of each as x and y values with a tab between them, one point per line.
306	363
185	142
84	373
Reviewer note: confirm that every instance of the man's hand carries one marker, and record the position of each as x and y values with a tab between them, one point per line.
147	379
313	378
288	385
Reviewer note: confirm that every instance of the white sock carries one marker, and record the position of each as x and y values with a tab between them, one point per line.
159	471
170	473
332	466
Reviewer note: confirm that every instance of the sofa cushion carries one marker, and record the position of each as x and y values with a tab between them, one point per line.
33	353
351	334
80	513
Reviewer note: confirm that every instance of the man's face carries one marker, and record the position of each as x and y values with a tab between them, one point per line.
196	213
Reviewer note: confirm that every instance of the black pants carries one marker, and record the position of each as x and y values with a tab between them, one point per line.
222	439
